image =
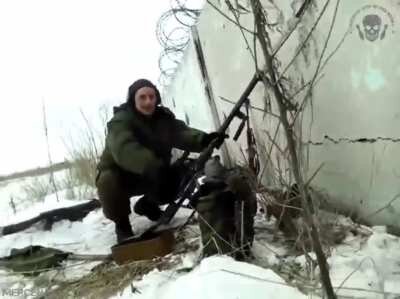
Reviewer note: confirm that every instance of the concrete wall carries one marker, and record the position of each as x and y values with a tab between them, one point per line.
351	118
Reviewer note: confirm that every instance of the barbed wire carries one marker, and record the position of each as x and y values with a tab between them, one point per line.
173	34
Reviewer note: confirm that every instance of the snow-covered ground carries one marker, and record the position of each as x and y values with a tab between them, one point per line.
365	265
33	195
372	264
216	277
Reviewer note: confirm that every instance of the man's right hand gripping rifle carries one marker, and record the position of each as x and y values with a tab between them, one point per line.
192	171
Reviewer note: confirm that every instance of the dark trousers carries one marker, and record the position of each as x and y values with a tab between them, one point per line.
115	187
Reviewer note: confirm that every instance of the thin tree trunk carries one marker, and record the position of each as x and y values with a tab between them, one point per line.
262	35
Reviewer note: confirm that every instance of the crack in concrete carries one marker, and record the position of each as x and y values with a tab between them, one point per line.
358	140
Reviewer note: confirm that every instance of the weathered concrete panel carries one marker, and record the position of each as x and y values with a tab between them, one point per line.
351	122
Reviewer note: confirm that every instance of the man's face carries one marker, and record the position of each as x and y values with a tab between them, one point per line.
145	100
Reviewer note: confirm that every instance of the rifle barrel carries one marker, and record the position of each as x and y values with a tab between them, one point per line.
239	103
206	153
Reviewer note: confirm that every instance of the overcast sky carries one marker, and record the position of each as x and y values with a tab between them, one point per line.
72	55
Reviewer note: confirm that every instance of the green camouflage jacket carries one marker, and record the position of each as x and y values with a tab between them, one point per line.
141	144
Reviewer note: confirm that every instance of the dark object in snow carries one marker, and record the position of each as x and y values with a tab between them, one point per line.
32	260
123	229
146	207
226	205
144	247
74	213
286	207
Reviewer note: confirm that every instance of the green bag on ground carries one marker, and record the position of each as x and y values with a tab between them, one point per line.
34	259
226	206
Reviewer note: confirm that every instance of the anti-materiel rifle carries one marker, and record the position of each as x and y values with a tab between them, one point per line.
188	183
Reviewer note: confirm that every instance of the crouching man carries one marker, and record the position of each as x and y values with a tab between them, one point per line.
137	154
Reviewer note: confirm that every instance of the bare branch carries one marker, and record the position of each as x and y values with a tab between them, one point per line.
229	18
263	37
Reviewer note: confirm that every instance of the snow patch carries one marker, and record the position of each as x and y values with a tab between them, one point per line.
216	277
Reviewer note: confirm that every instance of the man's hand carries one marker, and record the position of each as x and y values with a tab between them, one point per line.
208	138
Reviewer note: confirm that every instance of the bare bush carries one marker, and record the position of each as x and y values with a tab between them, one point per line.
84	153
37	188
78	179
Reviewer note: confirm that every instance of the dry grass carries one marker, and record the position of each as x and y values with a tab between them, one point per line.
108	278
37	188
84	153
80	168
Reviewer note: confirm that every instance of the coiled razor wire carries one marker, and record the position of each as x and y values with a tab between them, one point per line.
173	34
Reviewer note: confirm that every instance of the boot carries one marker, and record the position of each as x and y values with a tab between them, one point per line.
123	229
148	208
